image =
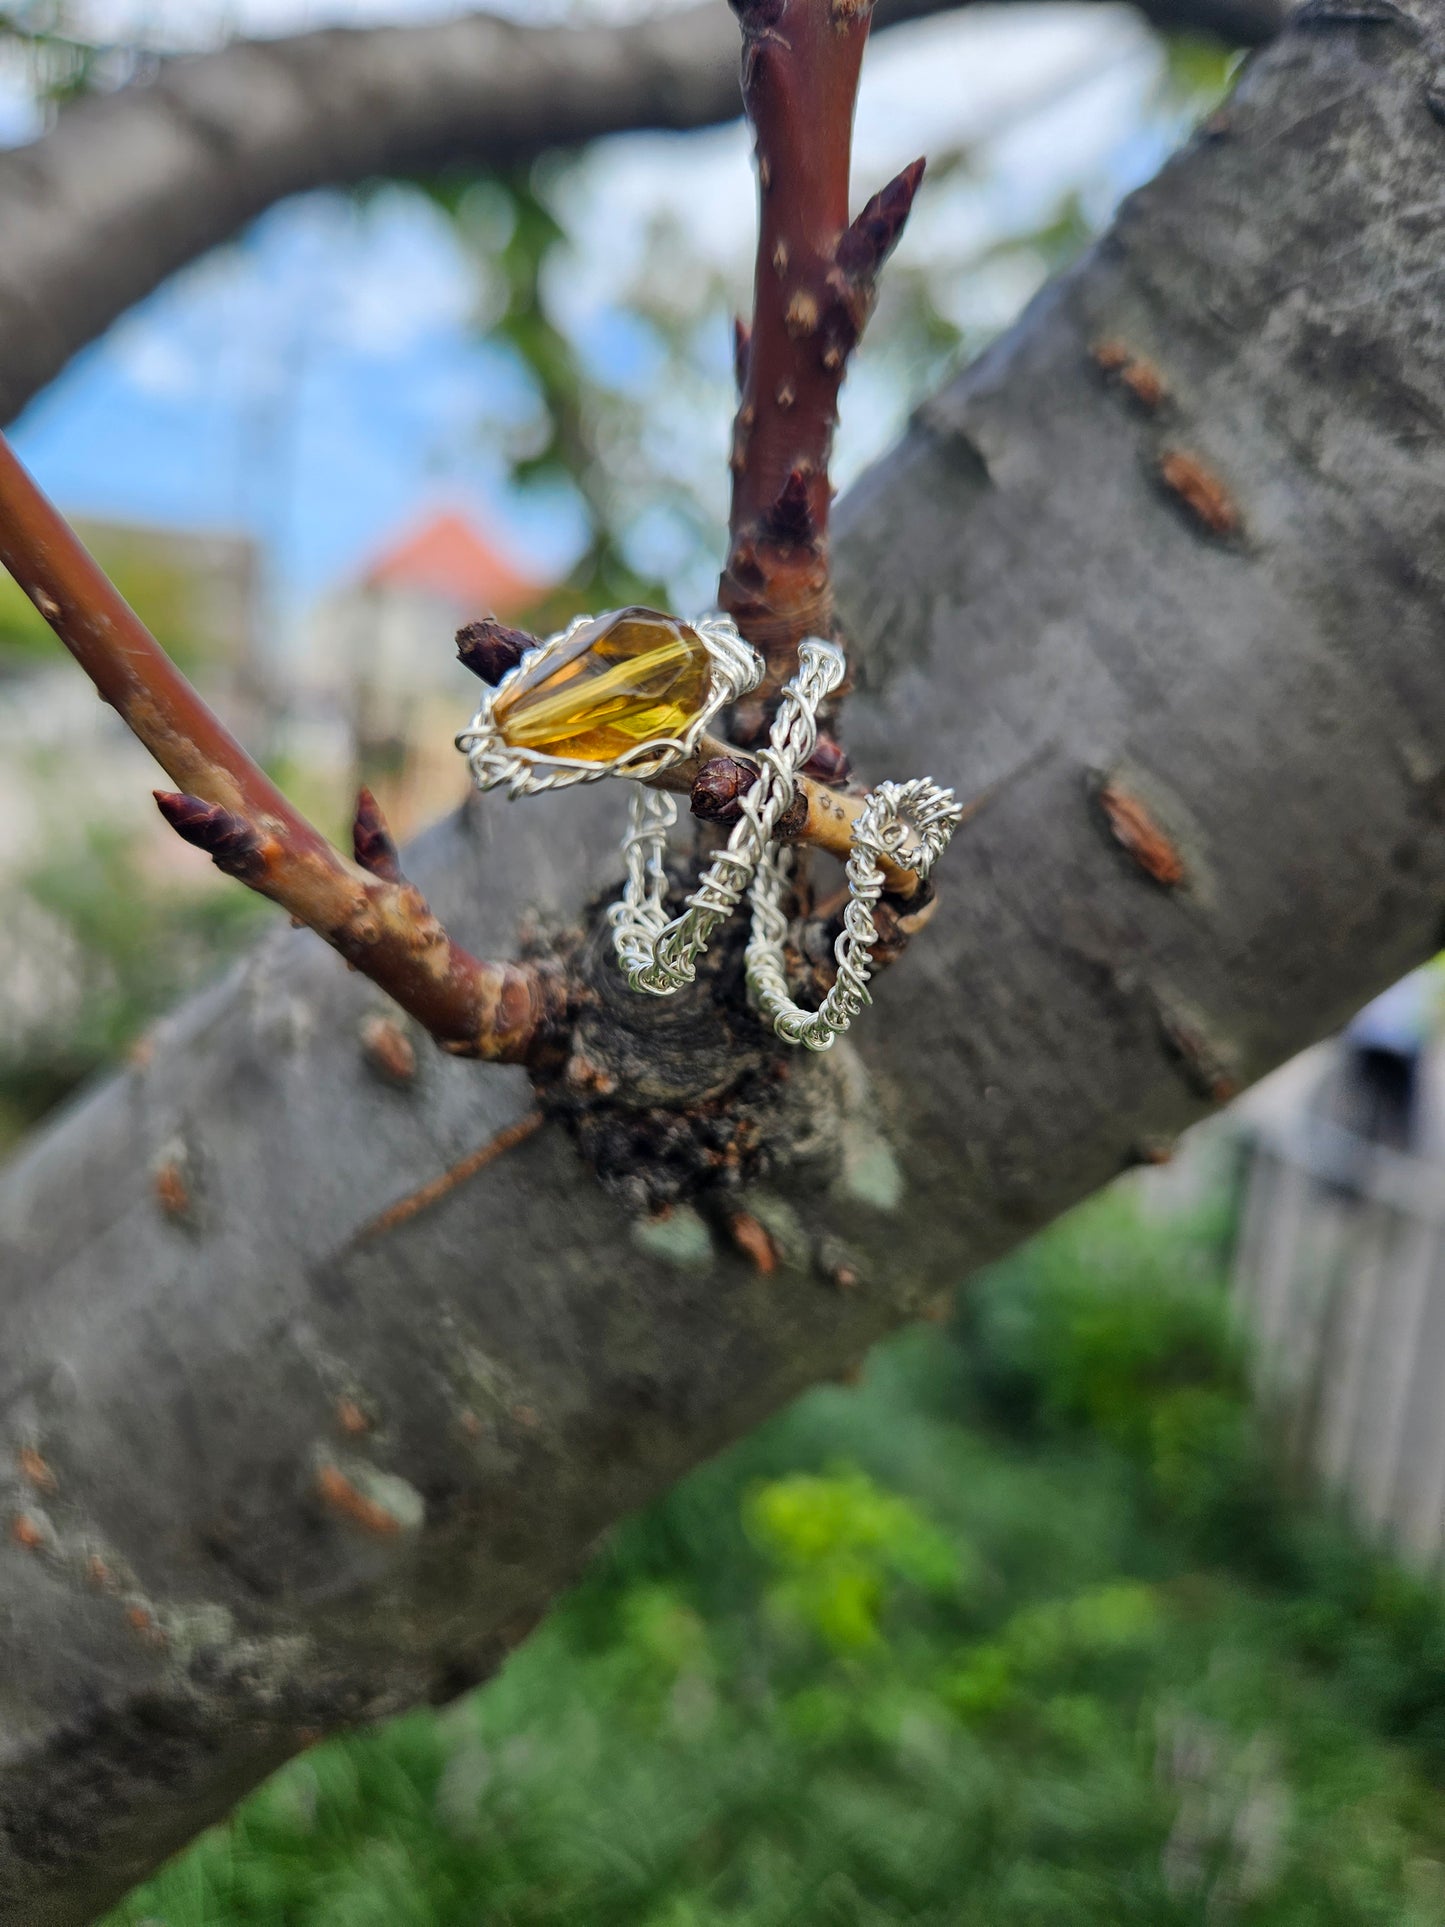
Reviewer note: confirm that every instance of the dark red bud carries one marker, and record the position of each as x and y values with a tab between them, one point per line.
489	648
720	786
371	840
231	843
790	518
868	242
829	762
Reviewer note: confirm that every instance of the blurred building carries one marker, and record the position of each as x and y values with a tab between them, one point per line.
380	653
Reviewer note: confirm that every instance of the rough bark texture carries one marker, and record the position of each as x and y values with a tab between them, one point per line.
1189	626
128	188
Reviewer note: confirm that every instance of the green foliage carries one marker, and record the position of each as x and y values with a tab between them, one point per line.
583	421
842	1546
152	576
24	636
1197	71
969	1645
1046	1643
1152	1366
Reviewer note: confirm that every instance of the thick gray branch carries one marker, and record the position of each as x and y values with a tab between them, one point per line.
126	189
1226	609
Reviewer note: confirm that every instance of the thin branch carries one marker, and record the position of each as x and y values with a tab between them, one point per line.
814	288
405	1209
228	807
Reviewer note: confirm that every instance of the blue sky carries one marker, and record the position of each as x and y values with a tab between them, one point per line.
282	387
322	380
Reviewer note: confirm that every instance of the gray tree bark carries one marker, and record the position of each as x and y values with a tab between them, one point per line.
127	188
265	1473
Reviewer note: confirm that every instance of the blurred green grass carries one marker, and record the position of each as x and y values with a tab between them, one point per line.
1021	1632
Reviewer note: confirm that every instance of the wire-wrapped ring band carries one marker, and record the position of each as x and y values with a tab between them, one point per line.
907	823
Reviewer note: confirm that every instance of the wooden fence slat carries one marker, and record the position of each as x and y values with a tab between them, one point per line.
1401	1316
1325	1282
1278	1258
1339	1275
1418	1498
1260	1175
1343	1373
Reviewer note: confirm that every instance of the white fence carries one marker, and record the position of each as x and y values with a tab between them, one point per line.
1339	1272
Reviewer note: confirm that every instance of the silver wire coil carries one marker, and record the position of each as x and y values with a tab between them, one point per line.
908	824
497	764
903	823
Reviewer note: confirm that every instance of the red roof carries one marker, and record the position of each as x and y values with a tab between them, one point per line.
448	557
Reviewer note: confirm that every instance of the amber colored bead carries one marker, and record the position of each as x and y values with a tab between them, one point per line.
621	680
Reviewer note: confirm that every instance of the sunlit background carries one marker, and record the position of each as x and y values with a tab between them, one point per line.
1072	1608
377	414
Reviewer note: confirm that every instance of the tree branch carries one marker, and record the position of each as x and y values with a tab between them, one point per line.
366	910
1032	597
127	188
814	286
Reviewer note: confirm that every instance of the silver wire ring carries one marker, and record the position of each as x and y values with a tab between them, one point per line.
659	956
906	824
495	763
900	822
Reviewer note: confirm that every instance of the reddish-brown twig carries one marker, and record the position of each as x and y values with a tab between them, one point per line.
432	1193
228	807
814	288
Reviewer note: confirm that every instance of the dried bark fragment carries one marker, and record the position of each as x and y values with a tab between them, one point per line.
1139	834
172	1190
34	1470
754	1241
490	649
339	1495
388	1049
1200	490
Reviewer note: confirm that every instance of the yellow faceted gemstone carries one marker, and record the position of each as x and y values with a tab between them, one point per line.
621	680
